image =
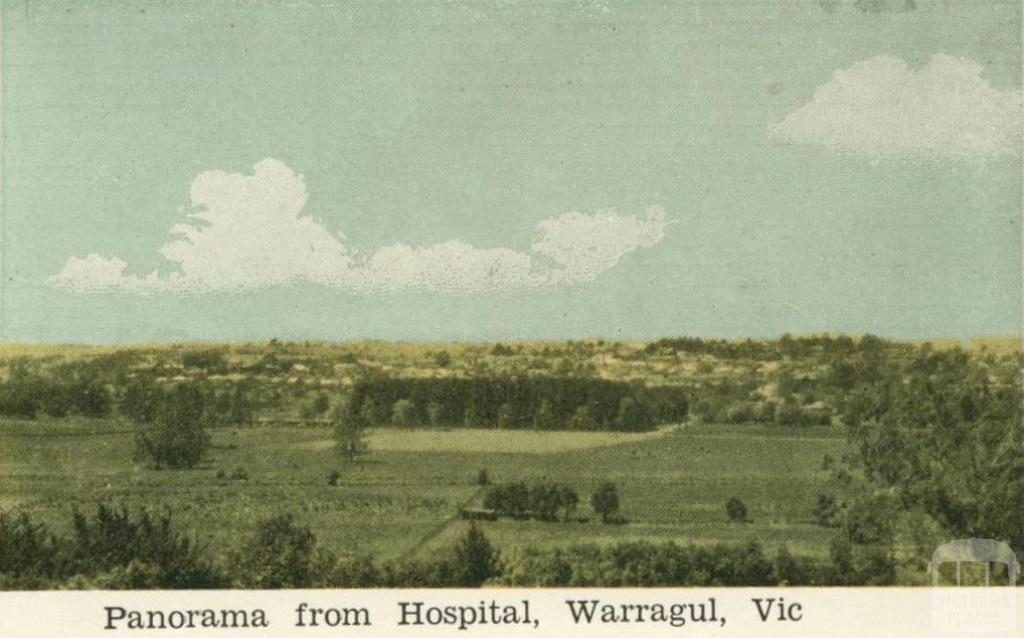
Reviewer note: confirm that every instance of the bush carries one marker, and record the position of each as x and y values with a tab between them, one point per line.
736	510
239	474
481	478
333	478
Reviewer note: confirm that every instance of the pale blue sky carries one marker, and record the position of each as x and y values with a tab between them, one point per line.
478	121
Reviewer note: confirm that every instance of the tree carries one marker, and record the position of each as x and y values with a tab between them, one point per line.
443	359
373	414
941	431
736	510
403	413
826	511
475	559
242	403
506	416
22	393
280	554
473	417
177	437
85	395
544	418
583	419
545	501
140	399
321	404
568	500
633	415
605	501
511	499
435	413
349	425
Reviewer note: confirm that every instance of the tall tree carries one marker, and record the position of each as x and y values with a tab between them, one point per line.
350	427
605	501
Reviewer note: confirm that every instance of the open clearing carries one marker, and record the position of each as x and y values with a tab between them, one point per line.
395	500
493	441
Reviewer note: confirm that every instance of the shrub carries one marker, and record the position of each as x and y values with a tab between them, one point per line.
481	478
239	474
333	478
736	510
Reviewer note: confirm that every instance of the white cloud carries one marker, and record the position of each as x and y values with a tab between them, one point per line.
584	246
881	108
245	232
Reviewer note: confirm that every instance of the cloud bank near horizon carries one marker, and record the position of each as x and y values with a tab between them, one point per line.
247	232
882	108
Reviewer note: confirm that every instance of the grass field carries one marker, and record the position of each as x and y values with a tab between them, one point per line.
401	497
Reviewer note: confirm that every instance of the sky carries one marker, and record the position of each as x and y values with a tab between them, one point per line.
509	170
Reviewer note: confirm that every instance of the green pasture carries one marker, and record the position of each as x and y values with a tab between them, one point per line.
400	499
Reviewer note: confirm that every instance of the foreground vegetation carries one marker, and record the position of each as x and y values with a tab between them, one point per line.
821	460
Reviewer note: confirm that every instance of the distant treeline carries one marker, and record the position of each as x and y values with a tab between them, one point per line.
69	389
784	346
548	403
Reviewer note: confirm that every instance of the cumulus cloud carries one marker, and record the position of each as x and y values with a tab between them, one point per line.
882	108
246	232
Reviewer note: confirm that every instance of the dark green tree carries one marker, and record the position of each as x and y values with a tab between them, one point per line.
605	501
475	560
177	437
280	554
349	426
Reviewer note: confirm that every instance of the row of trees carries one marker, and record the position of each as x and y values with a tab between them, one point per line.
118	549
66	390
646	564
517	402
786	346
